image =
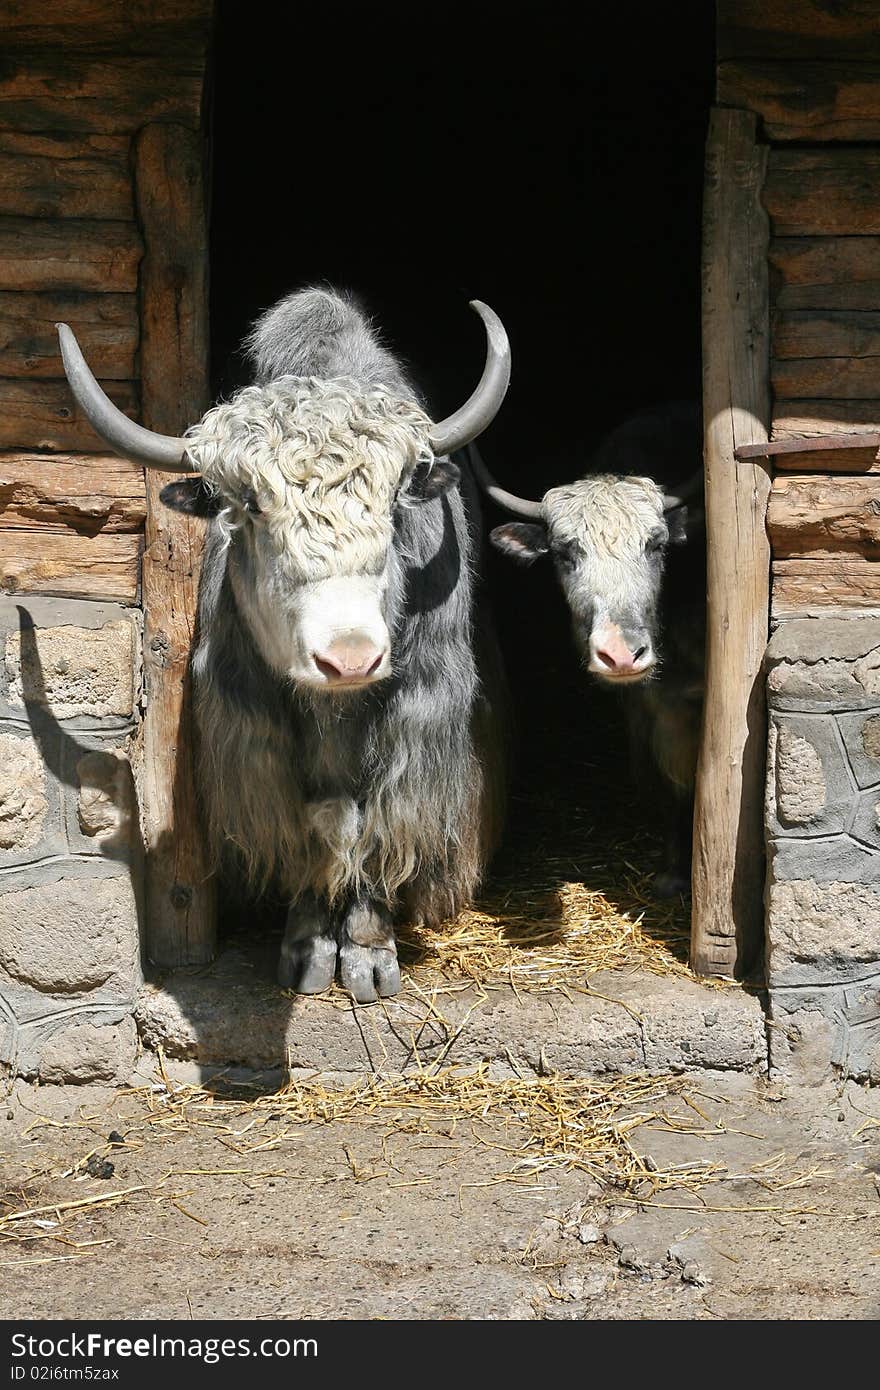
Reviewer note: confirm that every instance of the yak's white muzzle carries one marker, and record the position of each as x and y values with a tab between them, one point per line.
343	637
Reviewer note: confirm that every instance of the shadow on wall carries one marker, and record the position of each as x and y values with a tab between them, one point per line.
205	1011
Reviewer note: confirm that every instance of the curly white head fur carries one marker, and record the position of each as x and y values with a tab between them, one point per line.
307	473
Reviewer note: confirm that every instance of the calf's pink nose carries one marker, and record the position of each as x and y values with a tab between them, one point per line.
349	659
613	654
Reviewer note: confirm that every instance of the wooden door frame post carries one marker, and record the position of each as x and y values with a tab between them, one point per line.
180	898
728	871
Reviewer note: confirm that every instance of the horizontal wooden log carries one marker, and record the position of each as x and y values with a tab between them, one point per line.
811	517
96	567
835	378
140	26
42	415
106	326
857	460
86	493
798	29
804	100
69	255
834	273
834	333
794	418
826	192
802	587
65	176
63	90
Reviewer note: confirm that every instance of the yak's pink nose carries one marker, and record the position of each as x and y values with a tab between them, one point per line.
613	656
349	660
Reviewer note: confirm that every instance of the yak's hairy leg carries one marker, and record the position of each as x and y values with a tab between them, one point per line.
308	950
368	952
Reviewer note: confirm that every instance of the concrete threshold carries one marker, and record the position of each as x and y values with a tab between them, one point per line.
230	1014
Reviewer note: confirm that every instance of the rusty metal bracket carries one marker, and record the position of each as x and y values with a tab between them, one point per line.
813	443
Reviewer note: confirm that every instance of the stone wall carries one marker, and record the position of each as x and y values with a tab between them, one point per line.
70	870
823	831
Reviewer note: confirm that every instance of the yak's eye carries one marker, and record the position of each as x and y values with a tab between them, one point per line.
654	542
249	502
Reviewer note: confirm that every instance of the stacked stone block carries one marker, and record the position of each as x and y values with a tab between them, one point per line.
70	871
823	829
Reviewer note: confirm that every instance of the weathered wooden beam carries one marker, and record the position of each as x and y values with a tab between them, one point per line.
826	333
803	587
41	414
827	192
106	326
816	516
90	494
858	460
825	273
65	176
798	29
69	255
96	567
791	419
71	90
138	26
181	918
804	100
834	378
728	871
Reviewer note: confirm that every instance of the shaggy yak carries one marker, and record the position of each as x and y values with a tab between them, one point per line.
345	689
628	545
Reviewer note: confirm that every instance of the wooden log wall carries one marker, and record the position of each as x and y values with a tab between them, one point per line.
103	226
79	79
811	73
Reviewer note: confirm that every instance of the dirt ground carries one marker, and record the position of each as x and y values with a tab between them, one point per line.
238	1210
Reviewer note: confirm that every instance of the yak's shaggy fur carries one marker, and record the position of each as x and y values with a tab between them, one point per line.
392	792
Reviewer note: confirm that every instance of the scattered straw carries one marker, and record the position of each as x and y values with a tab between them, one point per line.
571	895
531	1128
538	941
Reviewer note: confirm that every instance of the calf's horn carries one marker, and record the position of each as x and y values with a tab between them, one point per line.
480	409
123	435
520	506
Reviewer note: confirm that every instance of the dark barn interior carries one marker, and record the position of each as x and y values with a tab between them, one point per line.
428	160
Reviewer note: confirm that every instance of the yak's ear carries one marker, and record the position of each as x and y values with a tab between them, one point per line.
524	541
685	522
192	496
436	481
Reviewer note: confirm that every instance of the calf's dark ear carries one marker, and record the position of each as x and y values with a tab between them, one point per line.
192	496
523	541
685	522
428	483
677	523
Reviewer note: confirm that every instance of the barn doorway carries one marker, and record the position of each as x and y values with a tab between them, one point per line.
558	179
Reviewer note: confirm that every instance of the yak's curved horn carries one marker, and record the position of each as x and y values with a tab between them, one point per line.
123	435
682	494
520	506
480	409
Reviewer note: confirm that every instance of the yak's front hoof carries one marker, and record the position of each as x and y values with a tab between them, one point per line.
368	972
307	964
